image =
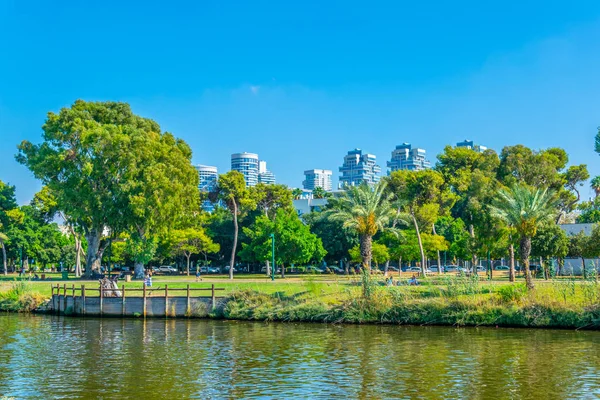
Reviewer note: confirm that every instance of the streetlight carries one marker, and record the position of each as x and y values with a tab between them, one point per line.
272	256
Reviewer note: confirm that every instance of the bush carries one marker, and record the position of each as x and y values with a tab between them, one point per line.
20	298
514	293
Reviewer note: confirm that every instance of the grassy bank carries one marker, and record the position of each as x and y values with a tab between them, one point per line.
459	301
20	297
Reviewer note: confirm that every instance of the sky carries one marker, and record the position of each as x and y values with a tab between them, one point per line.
301	83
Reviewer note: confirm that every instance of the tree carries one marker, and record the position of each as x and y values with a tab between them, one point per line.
294	243
8	202
231	190
366	210
296	193
336	238
595	184
423	198
110	169
472	177
526	210
193	241
320	193
590	211
549	241
569	196
380	251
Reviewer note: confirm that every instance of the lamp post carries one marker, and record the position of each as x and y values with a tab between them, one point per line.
272	256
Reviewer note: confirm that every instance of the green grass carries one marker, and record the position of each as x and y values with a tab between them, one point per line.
447	300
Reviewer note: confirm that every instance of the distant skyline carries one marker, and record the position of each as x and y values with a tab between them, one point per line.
301	84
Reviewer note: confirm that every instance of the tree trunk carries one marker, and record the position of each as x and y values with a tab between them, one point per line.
583	271
93	245
187	268
4	268
139	270
366	245
439	259
268	265
525	251
423	260
346	267
235	238
77	256
282	269
385	269
511	271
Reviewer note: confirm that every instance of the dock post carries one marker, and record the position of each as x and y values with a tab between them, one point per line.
166	301
144	299
214	303
123	302
188	310
64	298
83	299
101	300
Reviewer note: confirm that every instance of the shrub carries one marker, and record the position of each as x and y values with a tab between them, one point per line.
512	293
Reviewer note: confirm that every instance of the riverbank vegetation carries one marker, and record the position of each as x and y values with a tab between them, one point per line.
126	194
19	296
451	301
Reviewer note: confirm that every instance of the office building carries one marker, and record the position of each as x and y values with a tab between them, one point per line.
359	168
405	157
247	165
469	144
208	177
264	175
314	178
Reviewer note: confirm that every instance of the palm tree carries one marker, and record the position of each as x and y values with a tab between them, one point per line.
367	210
525	209
318	192
296	193
595	184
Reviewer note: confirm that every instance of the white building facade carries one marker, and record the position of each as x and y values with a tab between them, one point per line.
404	156
247	165
314	178
359	168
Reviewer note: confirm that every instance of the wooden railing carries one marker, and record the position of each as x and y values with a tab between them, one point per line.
145	291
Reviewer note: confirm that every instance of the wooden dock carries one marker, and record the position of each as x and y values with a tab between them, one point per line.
153	302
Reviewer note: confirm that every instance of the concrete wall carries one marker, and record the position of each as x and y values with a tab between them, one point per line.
132	306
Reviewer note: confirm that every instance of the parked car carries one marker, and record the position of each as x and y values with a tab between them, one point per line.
311	269
451	268
204	270
166	269
502	268
433	268
392	268
413	269
213	270
155	270
481	269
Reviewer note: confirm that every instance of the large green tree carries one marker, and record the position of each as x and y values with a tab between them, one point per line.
231	190
424	198
526	210
8	202
112	171
190	241
366	210
549	241
294	243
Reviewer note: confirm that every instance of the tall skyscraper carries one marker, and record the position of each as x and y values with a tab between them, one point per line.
264	175
208	177
405	157
314	178
469	144
359	168
247	164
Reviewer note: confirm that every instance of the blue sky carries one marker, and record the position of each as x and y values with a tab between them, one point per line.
301	83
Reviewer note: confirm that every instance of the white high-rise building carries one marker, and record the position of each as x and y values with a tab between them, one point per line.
405	157
264	175
208	177
359	168
314	178
247	165
469	144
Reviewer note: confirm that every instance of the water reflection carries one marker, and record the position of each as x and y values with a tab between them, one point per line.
55	357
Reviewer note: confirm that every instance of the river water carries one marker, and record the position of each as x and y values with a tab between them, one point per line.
46	357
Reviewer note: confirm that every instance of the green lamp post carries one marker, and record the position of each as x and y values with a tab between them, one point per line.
273	256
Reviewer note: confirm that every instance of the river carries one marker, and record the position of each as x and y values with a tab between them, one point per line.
47	357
